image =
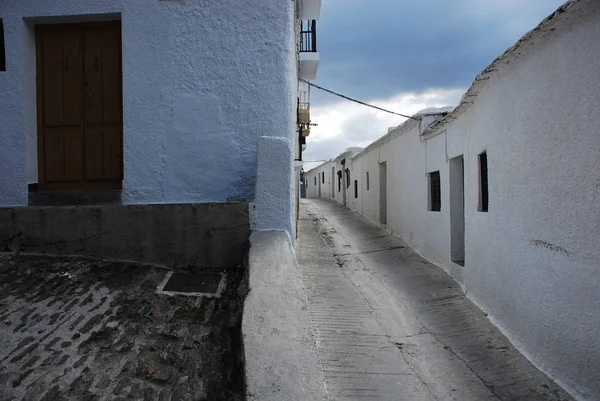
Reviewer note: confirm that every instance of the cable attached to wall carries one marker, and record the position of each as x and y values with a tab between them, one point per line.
358	101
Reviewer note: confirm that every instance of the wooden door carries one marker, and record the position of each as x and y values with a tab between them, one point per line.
80	118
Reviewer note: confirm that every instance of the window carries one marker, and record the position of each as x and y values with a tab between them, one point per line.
483	183
315	180
355	189
323	177
2	49
367	180
339	175
435	198
347	178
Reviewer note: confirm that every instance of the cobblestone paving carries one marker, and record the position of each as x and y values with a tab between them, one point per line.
87	329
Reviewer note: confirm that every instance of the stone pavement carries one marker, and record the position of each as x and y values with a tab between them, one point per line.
74	328
391	326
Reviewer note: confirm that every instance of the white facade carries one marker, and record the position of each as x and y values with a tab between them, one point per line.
202	82
532	261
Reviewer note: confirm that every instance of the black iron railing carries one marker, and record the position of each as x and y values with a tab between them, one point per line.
308	36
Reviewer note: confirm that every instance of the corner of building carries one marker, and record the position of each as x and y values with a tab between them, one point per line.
273	206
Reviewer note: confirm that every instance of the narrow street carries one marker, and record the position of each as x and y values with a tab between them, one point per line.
391	326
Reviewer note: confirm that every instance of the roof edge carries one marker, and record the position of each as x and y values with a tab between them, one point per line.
471	94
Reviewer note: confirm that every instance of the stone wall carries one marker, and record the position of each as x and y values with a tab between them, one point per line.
207	235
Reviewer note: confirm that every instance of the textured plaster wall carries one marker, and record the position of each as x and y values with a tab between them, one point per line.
274	205
281	357
533	260
202	81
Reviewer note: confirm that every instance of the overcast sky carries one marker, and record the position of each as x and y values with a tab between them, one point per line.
404	55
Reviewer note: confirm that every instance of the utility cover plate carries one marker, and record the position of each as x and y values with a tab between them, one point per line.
193	284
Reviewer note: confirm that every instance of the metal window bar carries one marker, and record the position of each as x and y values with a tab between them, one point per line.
435	195
2	49
483	183
308	36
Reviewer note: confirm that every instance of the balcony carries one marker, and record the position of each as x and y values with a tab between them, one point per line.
304	108
303	114
309	57
308	36
309	9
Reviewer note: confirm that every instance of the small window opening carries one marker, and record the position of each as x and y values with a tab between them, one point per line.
435	198
347	178
315	180
323	177
367	180
2	49
339	175
483	183
355	189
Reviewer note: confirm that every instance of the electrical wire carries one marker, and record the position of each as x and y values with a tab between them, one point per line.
358	101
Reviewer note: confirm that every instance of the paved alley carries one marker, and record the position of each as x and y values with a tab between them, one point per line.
391	326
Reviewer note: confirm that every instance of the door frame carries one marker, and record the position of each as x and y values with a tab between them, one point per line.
457	209
42	184
383	193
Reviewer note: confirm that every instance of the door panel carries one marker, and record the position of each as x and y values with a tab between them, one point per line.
111	75
93	154
92	71
71	77
112	147
73	156
52	77
54	154
103	153
80	125
63	158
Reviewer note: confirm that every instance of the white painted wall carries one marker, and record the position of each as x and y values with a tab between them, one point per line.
314	176
533	260
202	81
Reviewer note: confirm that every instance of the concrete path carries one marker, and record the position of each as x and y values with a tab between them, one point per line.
391	326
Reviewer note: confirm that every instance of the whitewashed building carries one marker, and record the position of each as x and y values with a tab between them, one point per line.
160	101
504	192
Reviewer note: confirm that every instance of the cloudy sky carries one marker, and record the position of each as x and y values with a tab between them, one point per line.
404	55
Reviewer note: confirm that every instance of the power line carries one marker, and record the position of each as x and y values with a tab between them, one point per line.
358	101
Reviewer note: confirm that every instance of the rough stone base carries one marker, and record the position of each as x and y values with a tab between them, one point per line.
177	235
74	328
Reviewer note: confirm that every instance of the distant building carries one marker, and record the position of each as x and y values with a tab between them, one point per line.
504	192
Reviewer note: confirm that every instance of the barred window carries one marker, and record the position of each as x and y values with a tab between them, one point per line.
435	196
483	183
2	49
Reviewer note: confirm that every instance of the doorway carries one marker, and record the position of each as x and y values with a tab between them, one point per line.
320	179
332	182
457	210
79	103
383	193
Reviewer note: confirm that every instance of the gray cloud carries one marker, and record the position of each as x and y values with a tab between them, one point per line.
342	124
376	48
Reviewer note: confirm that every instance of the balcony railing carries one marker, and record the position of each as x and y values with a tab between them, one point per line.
308	36
303	104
